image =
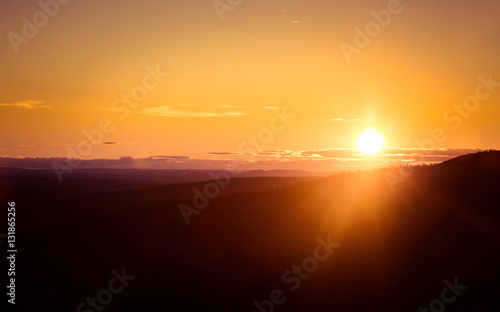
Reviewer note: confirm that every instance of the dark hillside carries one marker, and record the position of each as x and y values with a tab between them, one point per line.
396	248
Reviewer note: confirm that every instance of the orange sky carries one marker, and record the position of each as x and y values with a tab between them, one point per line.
226	78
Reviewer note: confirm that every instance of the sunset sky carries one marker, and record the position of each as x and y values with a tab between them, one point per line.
229	78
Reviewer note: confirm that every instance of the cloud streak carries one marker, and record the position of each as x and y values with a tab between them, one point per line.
344	119
29	104
191	110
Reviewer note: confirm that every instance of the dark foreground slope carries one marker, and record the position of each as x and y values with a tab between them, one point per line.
394	252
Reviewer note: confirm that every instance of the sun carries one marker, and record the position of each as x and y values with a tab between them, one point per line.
370	140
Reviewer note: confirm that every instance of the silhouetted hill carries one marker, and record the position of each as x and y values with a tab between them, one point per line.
478	161
441	222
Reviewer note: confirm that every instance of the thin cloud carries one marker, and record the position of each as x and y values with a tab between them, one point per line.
186	110
170	157
345	119
286	17
221	153
30	104
110	143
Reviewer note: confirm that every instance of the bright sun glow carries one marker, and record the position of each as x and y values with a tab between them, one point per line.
370	140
